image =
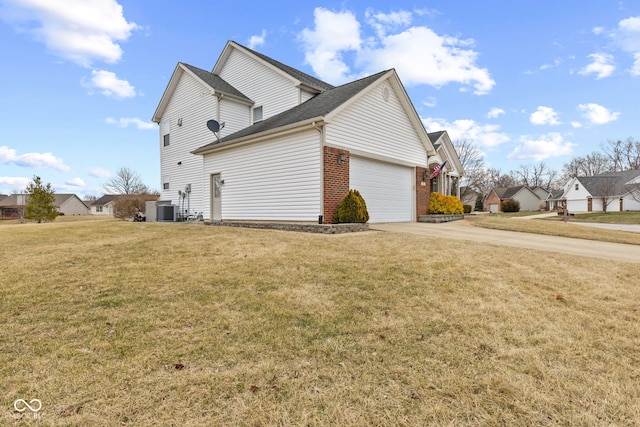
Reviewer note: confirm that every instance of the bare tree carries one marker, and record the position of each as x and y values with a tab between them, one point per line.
592	164
472	160
605	190
623	155
126	181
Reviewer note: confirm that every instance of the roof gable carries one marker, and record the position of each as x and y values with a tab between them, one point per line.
441	141
324	106
298	77
315	108
505	193
215	84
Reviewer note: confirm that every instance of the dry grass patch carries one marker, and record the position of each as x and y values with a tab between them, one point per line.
118	323
555	228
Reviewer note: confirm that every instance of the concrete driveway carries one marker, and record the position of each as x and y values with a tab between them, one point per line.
462	230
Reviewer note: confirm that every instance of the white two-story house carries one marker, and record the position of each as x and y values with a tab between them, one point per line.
289	146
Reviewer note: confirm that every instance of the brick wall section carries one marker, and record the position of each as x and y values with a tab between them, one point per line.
423	193
492	199
336	180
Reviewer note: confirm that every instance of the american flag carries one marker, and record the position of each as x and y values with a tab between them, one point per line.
437	170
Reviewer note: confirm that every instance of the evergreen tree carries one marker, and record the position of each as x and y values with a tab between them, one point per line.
40	206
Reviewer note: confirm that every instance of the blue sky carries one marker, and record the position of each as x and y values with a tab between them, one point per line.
525	81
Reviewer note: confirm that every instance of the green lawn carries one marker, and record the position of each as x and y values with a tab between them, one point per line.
135	324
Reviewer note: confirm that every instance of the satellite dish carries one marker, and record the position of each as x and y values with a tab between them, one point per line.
213	126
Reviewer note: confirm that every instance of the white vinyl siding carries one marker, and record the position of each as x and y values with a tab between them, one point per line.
236	116
262	84
381	128
529	201
305	96
577	199
193	103
74	206
387	189
276	180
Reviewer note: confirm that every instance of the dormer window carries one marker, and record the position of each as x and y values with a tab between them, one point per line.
257	114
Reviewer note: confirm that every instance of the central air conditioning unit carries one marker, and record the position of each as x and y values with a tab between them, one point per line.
166	213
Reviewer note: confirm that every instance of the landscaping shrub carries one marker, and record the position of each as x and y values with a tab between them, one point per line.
446	205
511	205
467	208
352	209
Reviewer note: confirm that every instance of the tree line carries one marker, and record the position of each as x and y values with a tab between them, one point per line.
613	156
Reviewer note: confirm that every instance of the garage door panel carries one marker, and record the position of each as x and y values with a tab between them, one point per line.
386	188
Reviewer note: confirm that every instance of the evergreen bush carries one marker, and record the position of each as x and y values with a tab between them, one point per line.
445	205
467	208
511	205
352	209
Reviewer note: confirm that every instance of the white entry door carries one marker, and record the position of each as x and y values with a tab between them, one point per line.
216	197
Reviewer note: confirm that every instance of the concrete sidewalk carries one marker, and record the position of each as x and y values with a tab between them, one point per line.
462	230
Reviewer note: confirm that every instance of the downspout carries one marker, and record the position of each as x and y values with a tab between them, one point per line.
321	207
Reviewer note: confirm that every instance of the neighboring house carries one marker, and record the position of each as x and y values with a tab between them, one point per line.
12	206
554	201
103	205
528	199
66	204
291	146
70	204
610	192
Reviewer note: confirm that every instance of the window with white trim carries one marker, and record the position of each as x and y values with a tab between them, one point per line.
257	114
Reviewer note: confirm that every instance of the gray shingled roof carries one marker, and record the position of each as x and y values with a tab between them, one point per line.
215	81
609	184
434	136
318	106
104	199
507	192
297	74
12	200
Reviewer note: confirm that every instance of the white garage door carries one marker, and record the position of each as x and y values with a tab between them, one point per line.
387	189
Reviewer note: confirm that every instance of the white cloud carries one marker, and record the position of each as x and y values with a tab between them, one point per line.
110	85
544	116
32	160
494	113
334	33
124	122
384	22
597	114
602	65
597	30
81	31
481	135
541	148
556	62
75	182
13	184
576	124
255	41
627	37
99	173
418	54
635	69
431	102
